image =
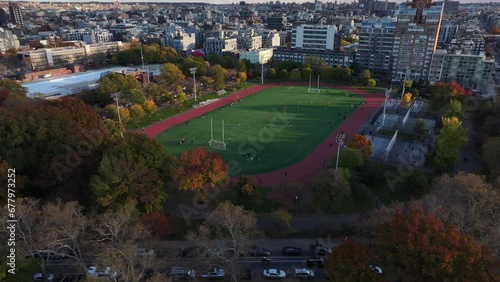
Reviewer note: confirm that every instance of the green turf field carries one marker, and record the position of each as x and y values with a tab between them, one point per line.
268	130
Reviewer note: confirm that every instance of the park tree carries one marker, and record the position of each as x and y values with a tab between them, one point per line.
294	74
12	86
149	107
327	74
350	158
136	112
283	74
131	82
182	97
491	155
365	77
134	95
271	74
315	63
249	191
450	142
422	248
241	66
18	183
115	128
331	190
157	93
443	92
132	170
192	62
405	102
350	262
337	73
106	86
371	82
454	108
305	73
171	73
233	224
282	220
198	167
346	74
218	74
419	127
468	202
415	185
242	76
360	142
207	82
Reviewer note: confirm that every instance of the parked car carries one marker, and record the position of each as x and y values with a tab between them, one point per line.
144	252
182	273
94	272
303	273
292	251
215	273
247	274
376	269
274	273
39	277
315	262
321	251
260	252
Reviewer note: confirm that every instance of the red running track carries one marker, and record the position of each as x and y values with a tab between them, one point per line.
314	162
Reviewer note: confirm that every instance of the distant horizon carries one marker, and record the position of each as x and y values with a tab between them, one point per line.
221	1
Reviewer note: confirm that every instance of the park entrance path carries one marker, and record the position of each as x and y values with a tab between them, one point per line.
314	162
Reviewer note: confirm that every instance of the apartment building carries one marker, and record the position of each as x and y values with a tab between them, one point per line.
376	39
8	40
331	58
90	36
471	70
260	56
415	39
16	15
447	31
249	40
314	37
217	45
42	59
270	38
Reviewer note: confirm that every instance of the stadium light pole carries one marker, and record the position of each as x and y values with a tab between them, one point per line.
387	94
193	72
116	97
340	141
262	72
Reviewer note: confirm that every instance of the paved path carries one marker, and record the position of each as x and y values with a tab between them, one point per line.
314	162
469	160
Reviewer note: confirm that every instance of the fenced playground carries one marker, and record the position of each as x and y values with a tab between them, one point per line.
266	131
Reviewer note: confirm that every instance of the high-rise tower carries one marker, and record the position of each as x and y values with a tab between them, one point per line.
415	38
15	14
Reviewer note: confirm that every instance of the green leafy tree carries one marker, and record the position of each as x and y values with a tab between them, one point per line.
218	74
106	86
454	108
337	73
350	158
241	66
350	262
294	74
419	127
346	74
315	63
331	190
306	73
327	74
416	185
371	82
115	128
135	95
283	74
171	73
157	93
272	74
13	86
136	112
365	77
450	142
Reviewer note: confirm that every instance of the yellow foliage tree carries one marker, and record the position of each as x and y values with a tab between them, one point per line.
406	100
149	107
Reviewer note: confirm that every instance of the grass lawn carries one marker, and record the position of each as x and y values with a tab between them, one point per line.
266	131
175	110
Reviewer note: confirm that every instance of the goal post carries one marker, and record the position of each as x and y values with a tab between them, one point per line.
214	143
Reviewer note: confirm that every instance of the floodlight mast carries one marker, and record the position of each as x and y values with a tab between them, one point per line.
193	72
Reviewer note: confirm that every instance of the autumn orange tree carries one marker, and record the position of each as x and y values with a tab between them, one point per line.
157	223
443	92
421	248
361	143
406	100
350	262
198	167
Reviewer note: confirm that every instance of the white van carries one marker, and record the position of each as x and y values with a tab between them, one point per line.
182	273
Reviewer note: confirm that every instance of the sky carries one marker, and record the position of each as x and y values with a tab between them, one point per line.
232	1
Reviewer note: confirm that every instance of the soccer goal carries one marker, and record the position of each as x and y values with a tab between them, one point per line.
313	90
214	143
